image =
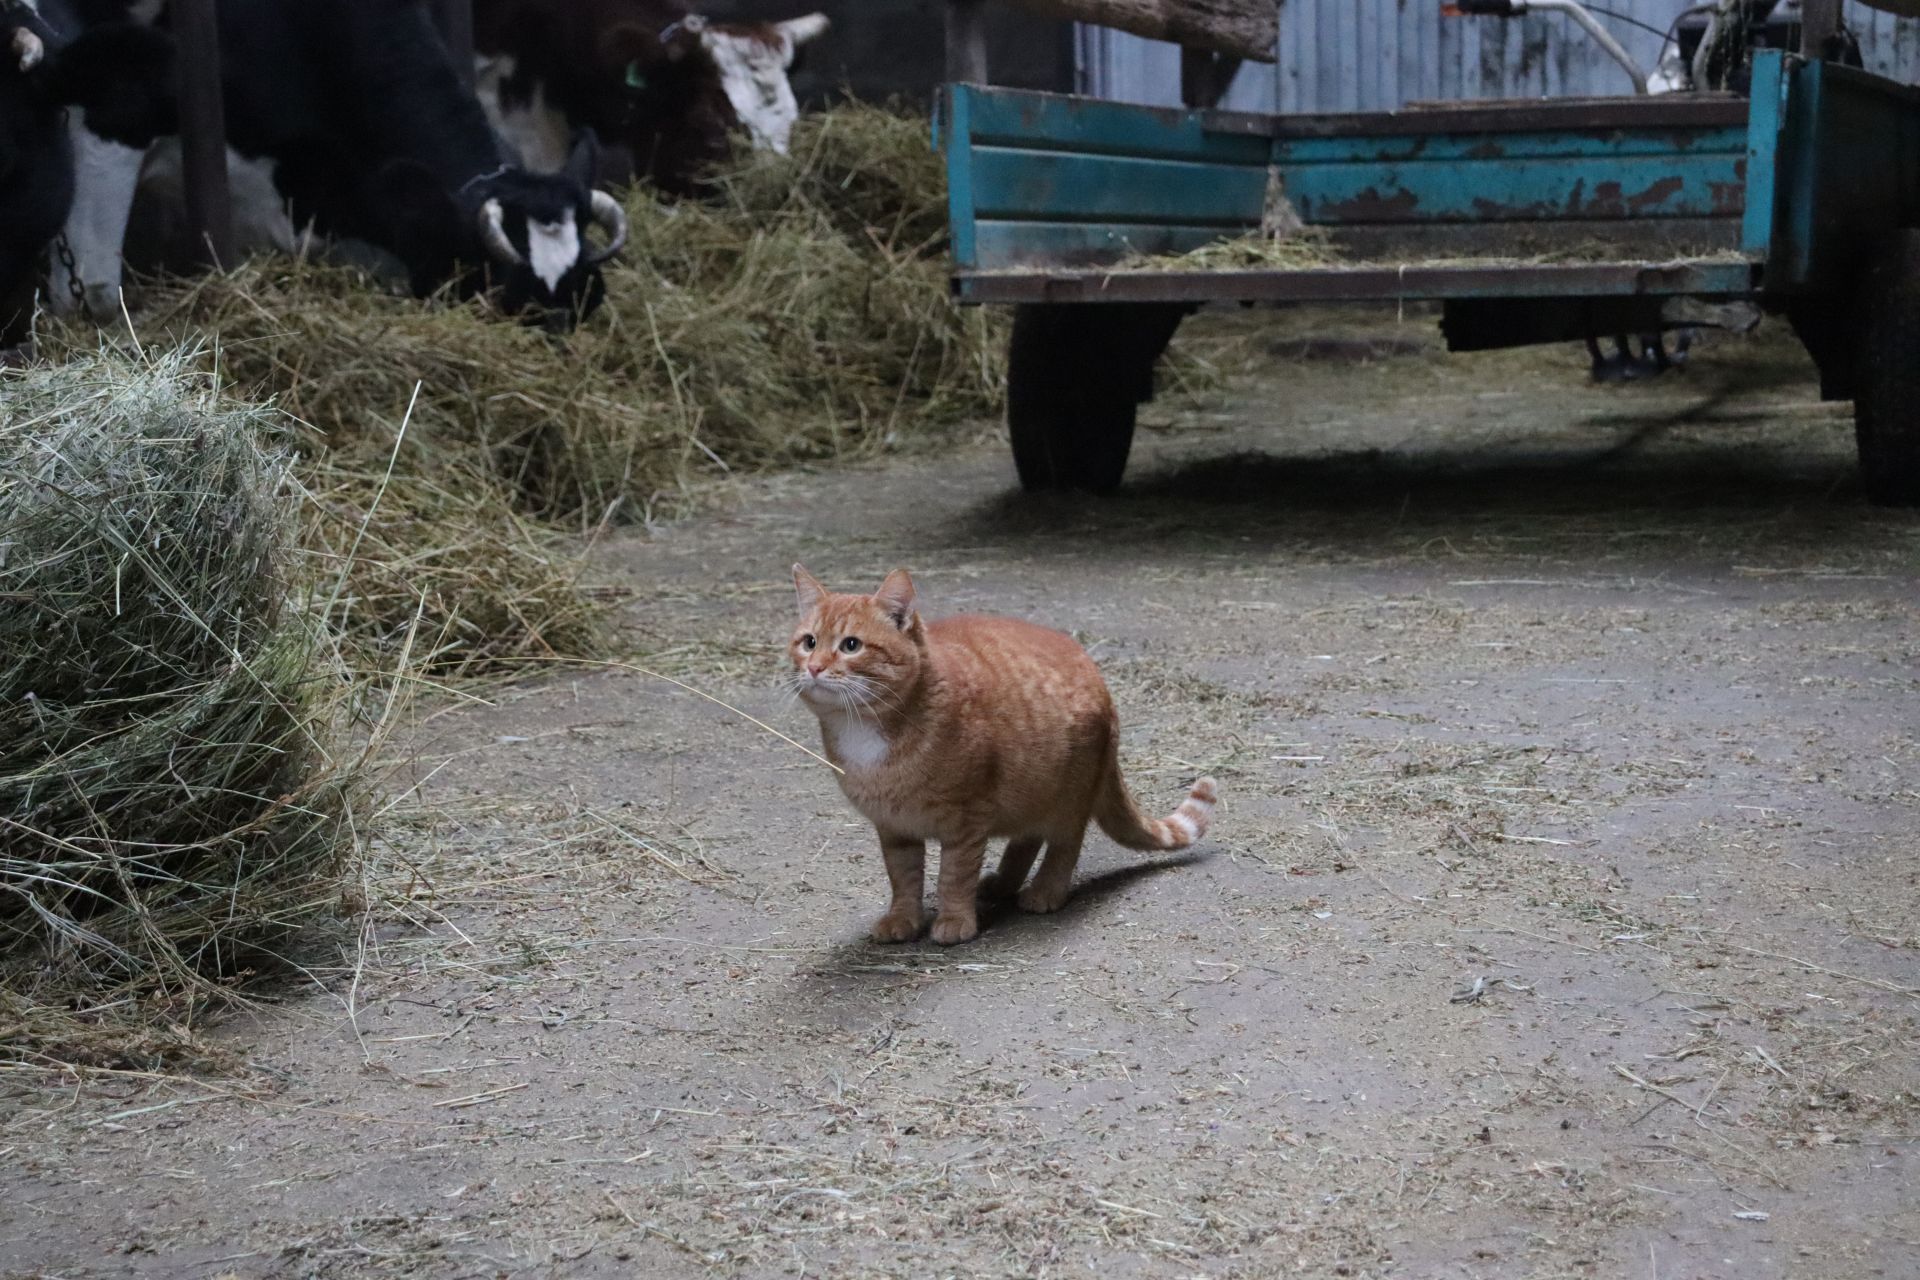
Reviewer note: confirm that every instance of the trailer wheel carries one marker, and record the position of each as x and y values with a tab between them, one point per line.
1076	375
1886	405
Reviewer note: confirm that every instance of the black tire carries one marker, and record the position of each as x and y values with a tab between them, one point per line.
1886	404
1076	375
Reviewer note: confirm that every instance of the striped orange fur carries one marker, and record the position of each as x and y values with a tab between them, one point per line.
965	730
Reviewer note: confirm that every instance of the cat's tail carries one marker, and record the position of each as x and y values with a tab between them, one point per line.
1121	818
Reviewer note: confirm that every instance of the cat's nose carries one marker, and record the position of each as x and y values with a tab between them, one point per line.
814	669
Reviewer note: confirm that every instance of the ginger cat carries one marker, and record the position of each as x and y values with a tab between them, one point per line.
963	730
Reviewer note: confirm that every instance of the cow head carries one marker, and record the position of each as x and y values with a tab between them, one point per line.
753	60
526	234
121	75
660	97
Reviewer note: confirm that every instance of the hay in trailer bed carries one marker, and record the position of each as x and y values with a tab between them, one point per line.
1318	248
800	313
173	806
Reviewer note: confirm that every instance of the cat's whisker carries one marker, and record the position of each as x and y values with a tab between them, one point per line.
860	705
874	691
863	692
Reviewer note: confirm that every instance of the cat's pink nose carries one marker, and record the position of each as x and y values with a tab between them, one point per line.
814	669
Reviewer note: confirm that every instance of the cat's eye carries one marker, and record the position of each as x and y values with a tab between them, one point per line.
807	642
850	645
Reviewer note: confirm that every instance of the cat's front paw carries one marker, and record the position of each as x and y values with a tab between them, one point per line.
897	926
1042	898
949	929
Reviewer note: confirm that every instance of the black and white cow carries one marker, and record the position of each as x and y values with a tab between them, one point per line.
36	166
356	108
60	80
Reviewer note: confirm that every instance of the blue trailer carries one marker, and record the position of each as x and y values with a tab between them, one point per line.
1528	222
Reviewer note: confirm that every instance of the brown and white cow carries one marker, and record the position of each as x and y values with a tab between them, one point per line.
649	76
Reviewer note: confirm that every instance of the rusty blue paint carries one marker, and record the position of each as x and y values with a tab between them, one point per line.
1065	187
1087	126
1829	158
1583	187
955	114
1848	172
1763	146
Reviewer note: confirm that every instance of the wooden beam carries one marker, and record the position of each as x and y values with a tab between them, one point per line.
1240	28
967	41
456	28
1819	24
1205	77
203	131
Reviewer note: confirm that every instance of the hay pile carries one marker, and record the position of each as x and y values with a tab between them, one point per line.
170	805
800	314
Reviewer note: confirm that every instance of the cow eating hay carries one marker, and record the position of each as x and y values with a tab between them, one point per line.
802	313
172	806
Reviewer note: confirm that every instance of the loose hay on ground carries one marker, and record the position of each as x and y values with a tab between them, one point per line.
439	575
174	803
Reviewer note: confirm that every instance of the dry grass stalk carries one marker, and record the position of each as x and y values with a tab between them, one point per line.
444	562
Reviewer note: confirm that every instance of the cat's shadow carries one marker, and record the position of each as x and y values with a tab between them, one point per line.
1003	916
854	973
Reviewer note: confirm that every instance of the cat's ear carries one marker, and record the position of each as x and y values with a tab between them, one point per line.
807	589
896	597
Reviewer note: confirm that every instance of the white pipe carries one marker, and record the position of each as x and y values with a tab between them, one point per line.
1698	70
1601	36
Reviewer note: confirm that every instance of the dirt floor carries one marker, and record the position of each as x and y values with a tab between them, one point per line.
1561	918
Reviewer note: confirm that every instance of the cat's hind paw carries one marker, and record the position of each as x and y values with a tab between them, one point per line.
1042	898
897	926
948	930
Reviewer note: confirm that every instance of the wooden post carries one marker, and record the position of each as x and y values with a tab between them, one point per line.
1819	24
456	28
203	131
966	41
1205	77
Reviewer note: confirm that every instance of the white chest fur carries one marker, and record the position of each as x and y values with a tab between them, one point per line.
857	744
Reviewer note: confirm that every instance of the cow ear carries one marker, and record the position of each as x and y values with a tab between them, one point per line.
629	48
122	77
583	163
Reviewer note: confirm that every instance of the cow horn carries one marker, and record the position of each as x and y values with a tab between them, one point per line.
805	28
27	47
612	219
493	234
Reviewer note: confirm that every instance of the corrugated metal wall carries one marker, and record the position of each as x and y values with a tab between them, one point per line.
1375	55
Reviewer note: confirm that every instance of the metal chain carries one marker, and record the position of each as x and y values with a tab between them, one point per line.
64	252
